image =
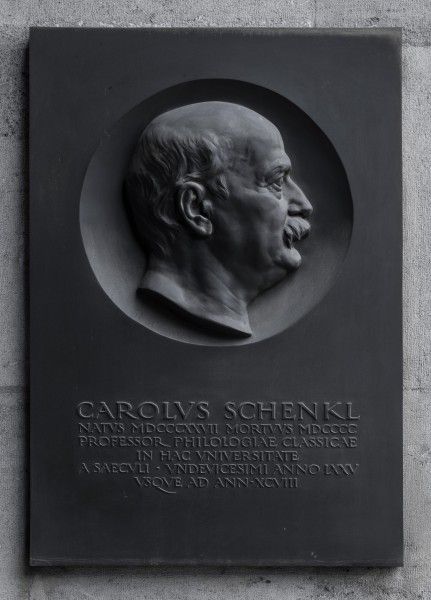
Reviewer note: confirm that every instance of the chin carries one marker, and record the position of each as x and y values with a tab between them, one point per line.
291	259
287	261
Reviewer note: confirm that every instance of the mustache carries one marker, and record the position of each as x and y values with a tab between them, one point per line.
295	229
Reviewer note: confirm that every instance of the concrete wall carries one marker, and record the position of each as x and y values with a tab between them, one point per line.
17	581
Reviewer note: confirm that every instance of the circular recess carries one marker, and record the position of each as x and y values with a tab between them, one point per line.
118	261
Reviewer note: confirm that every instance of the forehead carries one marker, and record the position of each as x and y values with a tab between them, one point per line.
261	148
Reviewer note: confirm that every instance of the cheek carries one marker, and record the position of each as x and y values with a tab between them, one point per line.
272	216
253	218
265	236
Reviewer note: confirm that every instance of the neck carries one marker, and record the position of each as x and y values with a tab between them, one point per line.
200	290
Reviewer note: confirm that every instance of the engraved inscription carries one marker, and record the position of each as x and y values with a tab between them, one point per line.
172	446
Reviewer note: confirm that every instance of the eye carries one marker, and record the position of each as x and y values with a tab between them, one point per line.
277	185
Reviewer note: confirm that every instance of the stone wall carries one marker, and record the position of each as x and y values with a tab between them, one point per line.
17	580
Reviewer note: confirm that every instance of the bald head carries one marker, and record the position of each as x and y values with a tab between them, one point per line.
193	143
220	118
231	126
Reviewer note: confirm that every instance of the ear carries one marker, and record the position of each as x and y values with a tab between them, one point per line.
195	208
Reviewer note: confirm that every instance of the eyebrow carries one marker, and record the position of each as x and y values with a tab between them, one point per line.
278	168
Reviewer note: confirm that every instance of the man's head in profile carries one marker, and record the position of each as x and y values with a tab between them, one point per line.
213	202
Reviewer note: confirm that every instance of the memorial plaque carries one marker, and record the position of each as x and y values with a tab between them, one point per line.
215	297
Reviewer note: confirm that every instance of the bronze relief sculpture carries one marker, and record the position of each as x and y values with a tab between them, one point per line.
212	200
256	419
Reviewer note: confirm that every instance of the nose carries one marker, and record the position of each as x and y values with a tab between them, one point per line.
298	202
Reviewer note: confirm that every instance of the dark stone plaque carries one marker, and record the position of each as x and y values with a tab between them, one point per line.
216	351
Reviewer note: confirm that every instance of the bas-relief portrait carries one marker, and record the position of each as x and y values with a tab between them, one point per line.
212	200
